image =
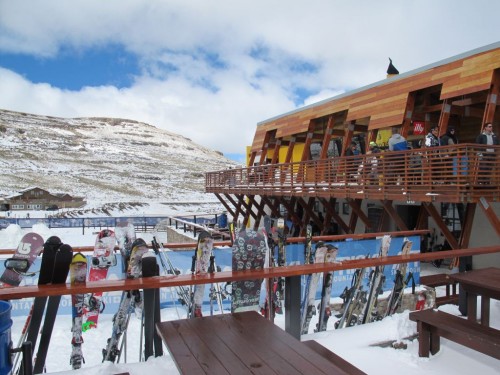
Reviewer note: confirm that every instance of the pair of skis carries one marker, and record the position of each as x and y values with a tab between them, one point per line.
54	269
323	254
359	304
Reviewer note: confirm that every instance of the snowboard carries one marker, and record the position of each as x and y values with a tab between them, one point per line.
78	275
201	263
249	251
102	259
27	251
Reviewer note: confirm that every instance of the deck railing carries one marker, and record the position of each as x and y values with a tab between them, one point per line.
459	173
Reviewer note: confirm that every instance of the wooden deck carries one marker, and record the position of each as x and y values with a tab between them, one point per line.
456	174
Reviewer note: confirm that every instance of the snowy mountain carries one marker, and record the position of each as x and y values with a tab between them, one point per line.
105	160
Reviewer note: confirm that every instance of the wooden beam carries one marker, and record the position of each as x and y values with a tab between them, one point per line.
327	137
410	107
394	215
355	205
330	205
444	118
289	152
441	225
226	206
491	102
490	214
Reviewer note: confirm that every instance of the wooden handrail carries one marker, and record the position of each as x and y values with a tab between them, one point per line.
458	173
228	276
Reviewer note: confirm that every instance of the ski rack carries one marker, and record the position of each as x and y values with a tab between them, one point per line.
292	276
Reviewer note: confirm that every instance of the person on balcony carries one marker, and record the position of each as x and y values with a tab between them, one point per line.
396	165
458	164
397	142
431	139
487	157
434	162
355	164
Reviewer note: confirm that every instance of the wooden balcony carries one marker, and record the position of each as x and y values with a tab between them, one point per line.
457	174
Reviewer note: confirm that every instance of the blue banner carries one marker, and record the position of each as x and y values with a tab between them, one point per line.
348	250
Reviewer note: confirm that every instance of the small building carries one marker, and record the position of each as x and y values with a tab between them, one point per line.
35	198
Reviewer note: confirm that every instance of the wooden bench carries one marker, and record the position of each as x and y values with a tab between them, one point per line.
442	279
434	324
338	361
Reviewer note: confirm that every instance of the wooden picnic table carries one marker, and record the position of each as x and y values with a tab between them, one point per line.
483	282
244	343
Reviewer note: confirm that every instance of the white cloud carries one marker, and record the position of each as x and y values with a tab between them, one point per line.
265	51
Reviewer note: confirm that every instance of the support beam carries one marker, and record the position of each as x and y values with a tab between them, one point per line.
441	225
410	106
492	100
490	214
394	215
327	138
226	206
356	213
444	118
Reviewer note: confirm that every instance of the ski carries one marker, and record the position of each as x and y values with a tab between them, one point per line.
125	237
354	298
78	275
50	247
102	259
27	251
200	266
280	290
151	315
308	308
376	283
168	268
130	301
401	281
267	292
326	291
62	261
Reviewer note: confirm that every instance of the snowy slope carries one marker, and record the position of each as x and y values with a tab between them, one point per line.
102	159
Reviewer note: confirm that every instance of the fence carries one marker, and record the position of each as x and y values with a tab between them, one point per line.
142	224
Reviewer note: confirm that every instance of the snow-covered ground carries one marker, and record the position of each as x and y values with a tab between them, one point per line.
355	344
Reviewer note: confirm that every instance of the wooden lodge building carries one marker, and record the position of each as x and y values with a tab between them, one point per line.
35	198
297	164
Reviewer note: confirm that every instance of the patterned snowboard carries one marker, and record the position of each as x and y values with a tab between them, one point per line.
249	251
29	248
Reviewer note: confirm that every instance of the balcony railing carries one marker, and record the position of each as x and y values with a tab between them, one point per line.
459	173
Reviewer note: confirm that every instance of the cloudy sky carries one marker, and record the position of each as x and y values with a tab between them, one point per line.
212	69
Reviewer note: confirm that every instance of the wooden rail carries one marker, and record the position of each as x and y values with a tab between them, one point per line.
460	173
228	276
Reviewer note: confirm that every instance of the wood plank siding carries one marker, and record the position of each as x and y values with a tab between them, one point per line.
384	102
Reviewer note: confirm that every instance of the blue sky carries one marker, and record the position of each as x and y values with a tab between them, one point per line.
212	70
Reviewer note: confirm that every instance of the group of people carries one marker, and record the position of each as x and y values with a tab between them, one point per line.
398	143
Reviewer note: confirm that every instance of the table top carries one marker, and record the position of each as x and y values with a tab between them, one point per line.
485	281
240	343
